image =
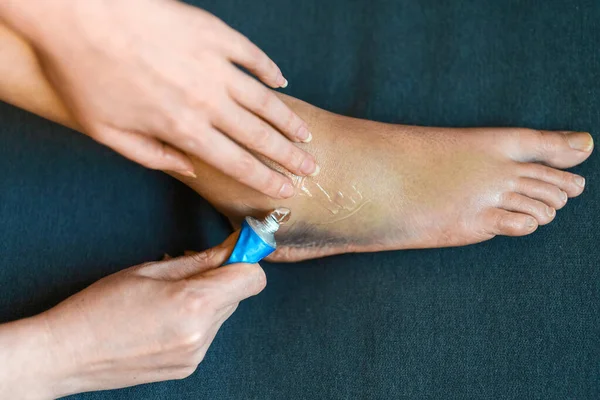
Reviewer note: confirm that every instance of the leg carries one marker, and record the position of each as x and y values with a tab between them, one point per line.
385	187
388	187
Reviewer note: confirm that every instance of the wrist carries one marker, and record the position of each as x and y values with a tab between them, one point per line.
28	370
41	20
28	17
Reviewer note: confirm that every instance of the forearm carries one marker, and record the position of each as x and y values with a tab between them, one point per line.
22	81
32	18
29	367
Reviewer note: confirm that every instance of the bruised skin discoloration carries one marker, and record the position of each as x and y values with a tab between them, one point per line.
419	187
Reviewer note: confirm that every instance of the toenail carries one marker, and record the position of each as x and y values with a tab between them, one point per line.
563	196
581	141
308	166
550	211
531	223
579	181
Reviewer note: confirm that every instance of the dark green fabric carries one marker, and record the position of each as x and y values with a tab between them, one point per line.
507	319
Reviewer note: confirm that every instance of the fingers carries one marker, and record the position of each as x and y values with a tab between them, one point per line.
191	264
243	52
263	102
147	151
257	135
216	149
233	283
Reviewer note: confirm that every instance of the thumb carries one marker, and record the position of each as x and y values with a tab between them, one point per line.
233	283
188	266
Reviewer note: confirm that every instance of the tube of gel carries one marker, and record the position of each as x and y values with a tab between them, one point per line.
257	237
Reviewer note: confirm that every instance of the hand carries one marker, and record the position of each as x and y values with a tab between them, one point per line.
155	79
148	323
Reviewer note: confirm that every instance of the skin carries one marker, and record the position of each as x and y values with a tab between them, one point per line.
147	323
419	187
159	84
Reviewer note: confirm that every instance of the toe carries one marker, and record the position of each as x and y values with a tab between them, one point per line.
502	222
569	183
545	192
557	149
526	205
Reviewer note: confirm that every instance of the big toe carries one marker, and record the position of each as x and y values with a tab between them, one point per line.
557	149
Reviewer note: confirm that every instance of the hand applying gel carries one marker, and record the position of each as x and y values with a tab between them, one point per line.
161	86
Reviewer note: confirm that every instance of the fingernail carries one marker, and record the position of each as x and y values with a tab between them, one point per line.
308	167
581	141
317	170
304	135
564	196
550	211
287	190
191	174
579	181
282	81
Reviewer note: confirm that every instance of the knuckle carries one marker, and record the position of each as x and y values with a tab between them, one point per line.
543	173
526	133
264	101
258	277
175	124
192	341
290	122
564	178
185	372
203	257
197	102
261	281
262	138
195	138
244	167
193	300
500	222
196	302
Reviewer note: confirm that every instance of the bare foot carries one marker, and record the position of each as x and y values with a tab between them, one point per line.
387	187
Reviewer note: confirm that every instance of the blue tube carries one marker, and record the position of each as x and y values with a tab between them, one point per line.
250	247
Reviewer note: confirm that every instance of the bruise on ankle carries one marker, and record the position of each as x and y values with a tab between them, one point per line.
306	235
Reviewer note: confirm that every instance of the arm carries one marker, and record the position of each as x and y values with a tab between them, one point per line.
161	85
22	81
147	323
